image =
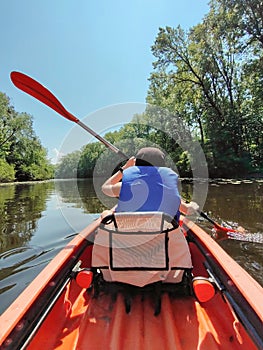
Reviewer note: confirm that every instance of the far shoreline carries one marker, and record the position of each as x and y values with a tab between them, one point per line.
218	181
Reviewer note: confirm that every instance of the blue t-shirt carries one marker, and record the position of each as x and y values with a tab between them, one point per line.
148	188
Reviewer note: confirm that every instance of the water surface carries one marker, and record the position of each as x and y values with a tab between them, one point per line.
37	220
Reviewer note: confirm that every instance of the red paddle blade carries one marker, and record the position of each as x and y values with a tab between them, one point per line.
35	89
222	228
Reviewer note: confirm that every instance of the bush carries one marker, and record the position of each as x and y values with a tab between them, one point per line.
7	172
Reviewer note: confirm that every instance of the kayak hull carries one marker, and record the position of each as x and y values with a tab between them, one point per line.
54	312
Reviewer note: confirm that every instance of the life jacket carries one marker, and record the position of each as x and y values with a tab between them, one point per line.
148	188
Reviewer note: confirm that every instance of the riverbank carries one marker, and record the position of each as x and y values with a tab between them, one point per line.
217	181
222	181
25	182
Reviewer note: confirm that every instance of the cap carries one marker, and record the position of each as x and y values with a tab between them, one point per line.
150	156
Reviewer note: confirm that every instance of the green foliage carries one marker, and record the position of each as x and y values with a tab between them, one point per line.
184	165
87	161
67	168
22	156
212	78
7	172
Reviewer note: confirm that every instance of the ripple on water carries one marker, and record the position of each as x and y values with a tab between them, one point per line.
19	266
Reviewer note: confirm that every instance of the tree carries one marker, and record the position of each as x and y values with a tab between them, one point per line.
9	125
67	168
7	171
202	77
20	149
87	161
249	17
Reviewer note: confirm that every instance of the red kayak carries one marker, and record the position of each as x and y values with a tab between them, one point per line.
70	306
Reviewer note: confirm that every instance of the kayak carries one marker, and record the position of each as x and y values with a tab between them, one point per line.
69	305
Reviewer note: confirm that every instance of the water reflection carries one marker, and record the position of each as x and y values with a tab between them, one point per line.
81	194
33	230
248	255
20	210
242	203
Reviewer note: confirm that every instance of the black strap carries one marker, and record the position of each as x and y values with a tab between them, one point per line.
174	222
111	218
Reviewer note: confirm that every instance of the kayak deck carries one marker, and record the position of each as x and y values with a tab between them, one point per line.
80	321
103	324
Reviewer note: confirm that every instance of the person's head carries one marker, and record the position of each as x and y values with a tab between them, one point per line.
150	156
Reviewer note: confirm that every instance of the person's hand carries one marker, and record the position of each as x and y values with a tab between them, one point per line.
130	162
105	213
193	208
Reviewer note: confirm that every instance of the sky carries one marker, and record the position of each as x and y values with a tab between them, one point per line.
91	54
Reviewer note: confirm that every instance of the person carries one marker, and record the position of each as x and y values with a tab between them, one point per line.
144	184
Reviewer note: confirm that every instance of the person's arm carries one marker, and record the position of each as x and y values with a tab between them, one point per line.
112	186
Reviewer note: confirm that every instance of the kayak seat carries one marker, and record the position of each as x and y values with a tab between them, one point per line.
140	252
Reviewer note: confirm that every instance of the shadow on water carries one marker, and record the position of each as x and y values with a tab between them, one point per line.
37	220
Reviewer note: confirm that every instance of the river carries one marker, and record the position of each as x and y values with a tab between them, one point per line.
37	220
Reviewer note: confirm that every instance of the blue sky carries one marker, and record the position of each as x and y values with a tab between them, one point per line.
90	54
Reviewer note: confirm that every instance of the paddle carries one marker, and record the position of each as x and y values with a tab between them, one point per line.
41	93
240	234
216	225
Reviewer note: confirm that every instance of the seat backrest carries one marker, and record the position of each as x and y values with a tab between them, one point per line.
137	242
138	251
139	222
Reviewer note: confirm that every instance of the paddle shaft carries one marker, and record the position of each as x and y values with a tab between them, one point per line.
41	93
101	139
219	227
